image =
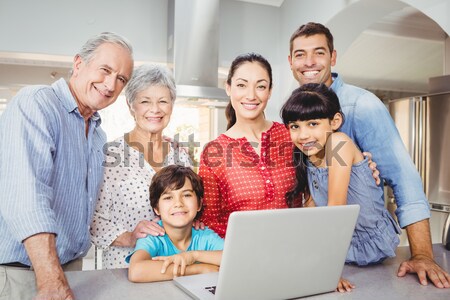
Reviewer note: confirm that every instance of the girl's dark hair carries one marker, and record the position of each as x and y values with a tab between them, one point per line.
230	113
308	102
173	178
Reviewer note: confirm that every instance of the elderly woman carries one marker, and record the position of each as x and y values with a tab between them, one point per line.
123	212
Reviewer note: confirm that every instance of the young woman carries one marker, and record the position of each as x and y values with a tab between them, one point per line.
248	167
331	170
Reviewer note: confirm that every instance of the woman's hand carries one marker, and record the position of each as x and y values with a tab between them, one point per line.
198	225
373	167
145	227
344	286
142	229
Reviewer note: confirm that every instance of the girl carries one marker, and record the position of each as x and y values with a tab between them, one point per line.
331	170
249	166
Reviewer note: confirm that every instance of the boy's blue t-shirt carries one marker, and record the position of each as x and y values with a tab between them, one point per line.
162	245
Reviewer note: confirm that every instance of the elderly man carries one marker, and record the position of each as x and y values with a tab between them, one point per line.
51	167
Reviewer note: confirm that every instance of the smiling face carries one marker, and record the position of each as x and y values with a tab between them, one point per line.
311	136
311	60
98	82
178	208
152	109
249	91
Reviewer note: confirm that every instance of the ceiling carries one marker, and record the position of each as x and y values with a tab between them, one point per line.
276	3
394	57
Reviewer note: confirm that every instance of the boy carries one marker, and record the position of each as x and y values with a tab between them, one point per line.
176	195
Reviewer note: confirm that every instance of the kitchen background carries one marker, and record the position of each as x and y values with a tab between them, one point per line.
390	47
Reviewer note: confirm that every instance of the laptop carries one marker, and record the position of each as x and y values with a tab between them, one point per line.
278	254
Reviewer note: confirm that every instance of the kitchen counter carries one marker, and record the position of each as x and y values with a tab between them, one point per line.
375	282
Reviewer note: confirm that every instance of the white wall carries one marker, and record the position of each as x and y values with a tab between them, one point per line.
246	27
61	26
447	57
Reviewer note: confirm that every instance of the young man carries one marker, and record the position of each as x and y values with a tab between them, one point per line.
369	124
51	167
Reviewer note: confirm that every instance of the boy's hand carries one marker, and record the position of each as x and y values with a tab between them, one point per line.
180	262
207	268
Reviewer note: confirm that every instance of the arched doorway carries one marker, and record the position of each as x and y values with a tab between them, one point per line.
389	47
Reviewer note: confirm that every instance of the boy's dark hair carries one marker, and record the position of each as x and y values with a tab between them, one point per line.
310	29
173	178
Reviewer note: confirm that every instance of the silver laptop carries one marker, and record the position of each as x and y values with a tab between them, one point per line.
279	254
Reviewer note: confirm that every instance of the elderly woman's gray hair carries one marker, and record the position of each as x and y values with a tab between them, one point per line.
146	76
87	50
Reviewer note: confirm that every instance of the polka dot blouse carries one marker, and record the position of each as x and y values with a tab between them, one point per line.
124	197
236	178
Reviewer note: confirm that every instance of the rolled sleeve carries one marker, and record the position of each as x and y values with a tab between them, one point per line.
105	227
104	231
149	244
212	198
412	212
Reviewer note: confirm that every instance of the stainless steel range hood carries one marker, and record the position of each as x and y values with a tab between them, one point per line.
193	48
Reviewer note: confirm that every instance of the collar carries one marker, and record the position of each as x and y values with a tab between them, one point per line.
64	95
337	82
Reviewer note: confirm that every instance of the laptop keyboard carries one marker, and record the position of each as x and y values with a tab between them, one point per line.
211	289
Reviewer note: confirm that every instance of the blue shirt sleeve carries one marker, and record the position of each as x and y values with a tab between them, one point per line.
27	166
150	244
212	240
375	131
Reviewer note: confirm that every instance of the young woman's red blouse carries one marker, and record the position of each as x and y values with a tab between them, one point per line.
236	178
